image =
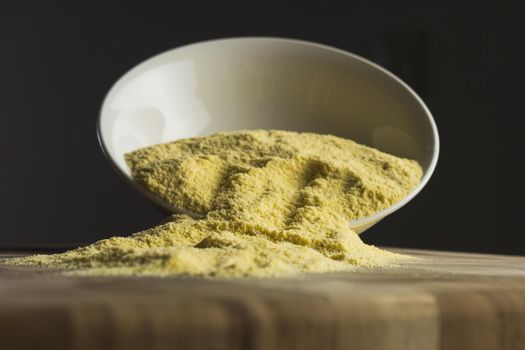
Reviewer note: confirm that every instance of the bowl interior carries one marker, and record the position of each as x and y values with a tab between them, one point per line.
252	83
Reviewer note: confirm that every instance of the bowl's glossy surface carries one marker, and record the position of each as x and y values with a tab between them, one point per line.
266	83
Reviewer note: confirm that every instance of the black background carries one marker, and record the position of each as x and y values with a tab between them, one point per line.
57	61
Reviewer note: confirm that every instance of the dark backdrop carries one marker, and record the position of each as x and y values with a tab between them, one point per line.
57	60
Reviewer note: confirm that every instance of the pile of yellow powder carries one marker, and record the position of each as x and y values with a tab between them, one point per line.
264	203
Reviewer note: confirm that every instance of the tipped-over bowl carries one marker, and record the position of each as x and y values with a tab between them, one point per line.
266	83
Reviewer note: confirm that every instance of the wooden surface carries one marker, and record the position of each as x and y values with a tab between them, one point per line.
442	301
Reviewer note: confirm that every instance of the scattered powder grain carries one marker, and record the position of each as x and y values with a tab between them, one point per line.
264	203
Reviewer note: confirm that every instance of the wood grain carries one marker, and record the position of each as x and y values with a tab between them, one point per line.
440	301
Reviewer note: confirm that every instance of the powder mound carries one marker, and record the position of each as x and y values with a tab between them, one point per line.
205	247
277	179
268	203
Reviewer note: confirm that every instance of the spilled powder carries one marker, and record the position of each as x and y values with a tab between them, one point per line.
264	203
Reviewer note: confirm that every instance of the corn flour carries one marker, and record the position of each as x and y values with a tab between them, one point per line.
265	203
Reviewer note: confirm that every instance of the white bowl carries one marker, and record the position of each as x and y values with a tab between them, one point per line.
266	83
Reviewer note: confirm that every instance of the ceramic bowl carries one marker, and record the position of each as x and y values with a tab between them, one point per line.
266	83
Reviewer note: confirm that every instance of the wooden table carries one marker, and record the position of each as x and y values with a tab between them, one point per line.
442	301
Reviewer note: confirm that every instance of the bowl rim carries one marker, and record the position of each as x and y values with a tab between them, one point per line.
368	220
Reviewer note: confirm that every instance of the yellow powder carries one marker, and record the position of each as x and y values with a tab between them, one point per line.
266	203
